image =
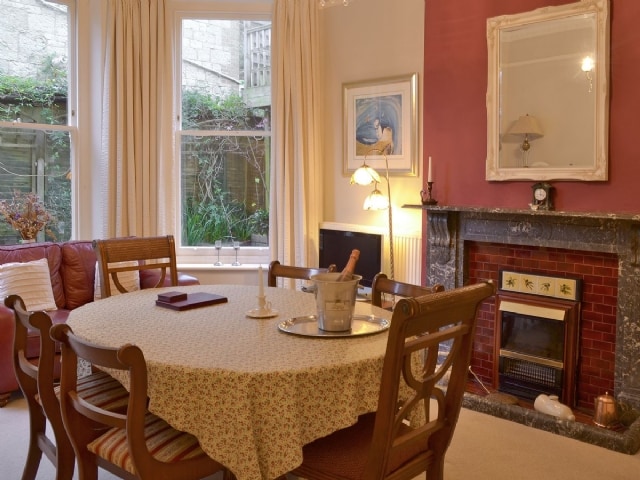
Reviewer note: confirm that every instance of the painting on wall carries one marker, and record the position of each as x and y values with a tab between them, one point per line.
380	119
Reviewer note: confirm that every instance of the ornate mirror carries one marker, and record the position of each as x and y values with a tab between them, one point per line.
548	94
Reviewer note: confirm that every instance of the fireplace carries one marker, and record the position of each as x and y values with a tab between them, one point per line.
536	340
451	231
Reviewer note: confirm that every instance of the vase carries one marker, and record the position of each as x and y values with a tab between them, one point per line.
27	240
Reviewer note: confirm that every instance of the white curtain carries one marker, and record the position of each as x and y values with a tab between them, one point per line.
296	199
134	68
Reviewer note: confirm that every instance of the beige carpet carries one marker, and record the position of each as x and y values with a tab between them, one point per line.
483	447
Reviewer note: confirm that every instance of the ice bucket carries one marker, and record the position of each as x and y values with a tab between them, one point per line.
335	301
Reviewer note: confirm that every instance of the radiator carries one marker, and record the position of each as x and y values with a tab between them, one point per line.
407	253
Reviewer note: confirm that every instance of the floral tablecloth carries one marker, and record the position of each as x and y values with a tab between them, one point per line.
250	393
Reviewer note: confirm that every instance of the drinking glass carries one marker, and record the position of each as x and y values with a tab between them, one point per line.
218	246
236	247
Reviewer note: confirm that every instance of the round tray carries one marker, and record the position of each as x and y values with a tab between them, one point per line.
308	326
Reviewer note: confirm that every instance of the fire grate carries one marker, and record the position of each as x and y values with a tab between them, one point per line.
531	372
528	379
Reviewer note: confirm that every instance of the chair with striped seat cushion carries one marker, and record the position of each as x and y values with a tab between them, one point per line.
382	284
121	261
277	270
386	444
37	380
131	444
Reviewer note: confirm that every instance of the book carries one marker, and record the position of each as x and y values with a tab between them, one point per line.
172	297
193	300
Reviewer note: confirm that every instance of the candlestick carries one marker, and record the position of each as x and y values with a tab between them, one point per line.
260	282
427	199
429	175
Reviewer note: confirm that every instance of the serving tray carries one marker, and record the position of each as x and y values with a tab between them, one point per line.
307	326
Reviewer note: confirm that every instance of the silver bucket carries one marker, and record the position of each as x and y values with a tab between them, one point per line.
335	301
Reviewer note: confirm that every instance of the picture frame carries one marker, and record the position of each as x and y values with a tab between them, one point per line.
381	116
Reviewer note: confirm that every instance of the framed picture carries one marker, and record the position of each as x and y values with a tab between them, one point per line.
380	117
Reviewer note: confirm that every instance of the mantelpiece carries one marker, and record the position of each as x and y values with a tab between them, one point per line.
449	227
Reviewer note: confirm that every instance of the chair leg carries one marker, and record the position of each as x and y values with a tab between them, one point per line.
228	475
66	463
87	467
65	458
37	425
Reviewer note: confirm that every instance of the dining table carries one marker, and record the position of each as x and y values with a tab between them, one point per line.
253	391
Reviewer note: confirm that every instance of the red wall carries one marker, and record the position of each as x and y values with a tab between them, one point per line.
597	331
455	122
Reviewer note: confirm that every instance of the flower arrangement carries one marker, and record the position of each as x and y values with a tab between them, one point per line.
25	213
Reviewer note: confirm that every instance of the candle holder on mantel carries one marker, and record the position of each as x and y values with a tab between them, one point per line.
427	199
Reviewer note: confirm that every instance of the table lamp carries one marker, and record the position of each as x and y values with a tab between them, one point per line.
528	126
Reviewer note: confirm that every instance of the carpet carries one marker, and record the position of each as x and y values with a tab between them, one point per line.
483	448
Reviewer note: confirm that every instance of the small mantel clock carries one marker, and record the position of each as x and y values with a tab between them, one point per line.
542	196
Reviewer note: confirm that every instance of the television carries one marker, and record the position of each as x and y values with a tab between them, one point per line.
336	246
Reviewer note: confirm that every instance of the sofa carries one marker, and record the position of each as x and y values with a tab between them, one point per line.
72	267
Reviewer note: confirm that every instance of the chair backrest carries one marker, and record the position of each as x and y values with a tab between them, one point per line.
132	443
382	284
85	421
276	269
37	380
137	253
431	326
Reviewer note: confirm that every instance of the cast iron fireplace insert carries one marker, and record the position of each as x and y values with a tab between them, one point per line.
536	345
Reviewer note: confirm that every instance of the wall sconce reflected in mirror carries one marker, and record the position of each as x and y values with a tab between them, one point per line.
528	126
587	67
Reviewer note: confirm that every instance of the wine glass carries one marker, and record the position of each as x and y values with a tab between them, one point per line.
236	247
218	246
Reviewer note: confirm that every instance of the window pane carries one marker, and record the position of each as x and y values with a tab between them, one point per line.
226	95
223	189
34	49
37	161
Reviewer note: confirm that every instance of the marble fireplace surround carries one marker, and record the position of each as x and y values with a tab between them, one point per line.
449	227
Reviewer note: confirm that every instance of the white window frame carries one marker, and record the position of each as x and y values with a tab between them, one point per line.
72	102
258	10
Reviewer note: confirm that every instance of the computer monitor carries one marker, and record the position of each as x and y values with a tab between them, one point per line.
336	247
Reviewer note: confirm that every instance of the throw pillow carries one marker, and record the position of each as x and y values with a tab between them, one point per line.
30	280
129	280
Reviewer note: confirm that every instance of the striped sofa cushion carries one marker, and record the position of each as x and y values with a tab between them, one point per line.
164	442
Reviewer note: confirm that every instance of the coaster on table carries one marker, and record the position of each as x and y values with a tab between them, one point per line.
257	313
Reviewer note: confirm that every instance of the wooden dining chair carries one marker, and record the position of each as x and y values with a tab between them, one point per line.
118	257
383	284
276	269
37	380
132	444
385	444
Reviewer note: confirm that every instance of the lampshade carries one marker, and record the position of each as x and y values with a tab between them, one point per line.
526	125
365	175
376	201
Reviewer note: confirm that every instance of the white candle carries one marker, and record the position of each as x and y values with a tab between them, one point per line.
260	282
429	176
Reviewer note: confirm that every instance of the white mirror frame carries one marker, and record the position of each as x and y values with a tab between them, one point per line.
599	170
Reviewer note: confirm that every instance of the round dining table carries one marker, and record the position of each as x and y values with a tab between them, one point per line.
251	393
